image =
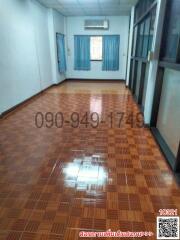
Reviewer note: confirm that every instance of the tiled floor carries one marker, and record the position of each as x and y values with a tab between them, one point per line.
56	181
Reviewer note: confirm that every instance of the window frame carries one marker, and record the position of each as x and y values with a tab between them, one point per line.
139	46
167	21
96	60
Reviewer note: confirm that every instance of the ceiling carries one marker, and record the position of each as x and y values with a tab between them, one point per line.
91	7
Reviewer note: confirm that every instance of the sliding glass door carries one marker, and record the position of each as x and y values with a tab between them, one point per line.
168	120
165	121
145	13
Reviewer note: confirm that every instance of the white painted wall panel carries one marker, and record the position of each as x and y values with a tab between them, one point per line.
25	64
118	25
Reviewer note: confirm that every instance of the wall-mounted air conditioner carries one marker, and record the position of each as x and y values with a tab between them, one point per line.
99	24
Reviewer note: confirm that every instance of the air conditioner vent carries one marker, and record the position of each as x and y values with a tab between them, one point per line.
96	24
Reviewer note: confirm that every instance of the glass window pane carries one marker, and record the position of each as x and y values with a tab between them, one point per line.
137	42
140	39
169	110
146	37
134	41
145	84
172	31
153	16
143	35
138	79
96	48
142	7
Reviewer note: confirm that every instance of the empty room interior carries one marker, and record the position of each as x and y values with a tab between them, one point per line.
89	119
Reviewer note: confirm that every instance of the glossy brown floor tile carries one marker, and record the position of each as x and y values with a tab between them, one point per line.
56	181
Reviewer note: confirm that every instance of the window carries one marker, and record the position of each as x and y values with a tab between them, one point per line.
153	17
140	39
146	37
144	34
141	7
96	48
171	36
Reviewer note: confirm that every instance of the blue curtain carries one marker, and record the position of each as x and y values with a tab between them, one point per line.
82	52
111	53
61	53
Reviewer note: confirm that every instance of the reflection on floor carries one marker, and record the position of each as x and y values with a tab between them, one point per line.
83	163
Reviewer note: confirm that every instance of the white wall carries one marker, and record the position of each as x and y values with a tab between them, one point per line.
56	24
28	49
39	16
25	64
118	25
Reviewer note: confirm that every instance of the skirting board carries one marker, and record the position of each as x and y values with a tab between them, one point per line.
23	103
5	113
93	79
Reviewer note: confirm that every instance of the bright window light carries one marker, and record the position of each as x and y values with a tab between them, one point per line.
96	48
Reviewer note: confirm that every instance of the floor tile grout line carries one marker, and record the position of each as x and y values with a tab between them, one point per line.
40	195
71	198
127	180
